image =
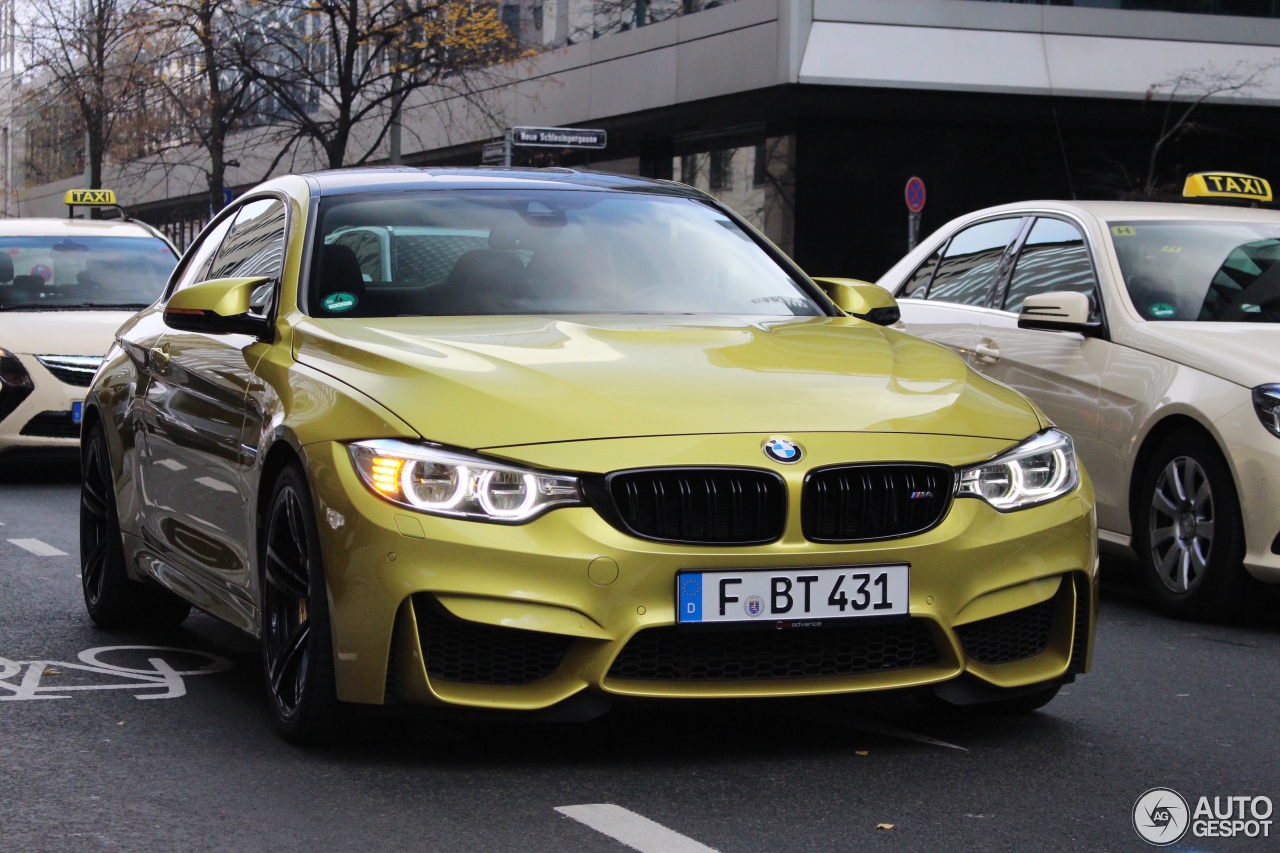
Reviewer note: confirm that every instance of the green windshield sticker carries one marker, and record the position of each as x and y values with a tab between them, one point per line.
1162	310
339	302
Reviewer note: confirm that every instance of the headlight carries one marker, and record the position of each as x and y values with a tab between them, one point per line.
1039	469
1266	402
12	373
443	483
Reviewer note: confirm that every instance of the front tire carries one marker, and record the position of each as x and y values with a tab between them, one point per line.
112	599
297	650
1189	533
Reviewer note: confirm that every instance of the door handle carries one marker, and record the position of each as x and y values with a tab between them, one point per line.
160	355
987	352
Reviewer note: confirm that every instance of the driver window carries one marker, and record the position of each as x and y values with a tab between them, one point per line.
200	256
1053	258
971	262
254	247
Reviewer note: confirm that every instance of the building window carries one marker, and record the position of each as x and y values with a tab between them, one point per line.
689	169
721	175
760	174
511	19
537	17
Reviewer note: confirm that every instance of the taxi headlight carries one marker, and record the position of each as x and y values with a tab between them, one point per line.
441	482
12	373
1038	470
1266	402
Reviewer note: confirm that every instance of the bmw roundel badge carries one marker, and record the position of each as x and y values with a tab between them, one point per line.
781	450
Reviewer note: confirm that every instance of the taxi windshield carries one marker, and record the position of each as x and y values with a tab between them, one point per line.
470	252
1225	272
82	272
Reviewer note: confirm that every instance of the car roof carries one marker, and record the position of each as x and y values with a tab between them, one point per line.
50	227
375	178
1111	211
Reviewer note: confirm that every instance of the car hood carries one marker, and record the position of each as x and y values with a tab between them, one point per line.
482	382
1245	353
60	332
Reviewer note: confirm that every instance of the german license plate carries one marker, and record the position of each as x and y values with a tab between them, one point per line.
77	412
842	592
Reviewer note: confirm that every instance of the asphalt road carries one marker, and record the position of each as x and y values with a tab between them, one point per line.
150	760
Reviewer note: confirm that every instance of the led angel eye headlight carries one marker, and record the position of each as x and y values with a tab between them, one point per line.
1266	402
1038	470
440	482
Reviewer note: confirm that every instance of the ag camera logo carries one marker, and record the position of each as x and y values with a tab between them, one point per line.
1160	816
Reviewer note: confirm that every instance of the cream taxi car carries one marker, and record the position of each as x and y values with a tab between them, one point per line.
66	285
1148	331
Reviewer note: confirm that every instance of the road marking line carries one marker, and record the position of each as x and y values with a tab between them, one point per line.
40	549
634	830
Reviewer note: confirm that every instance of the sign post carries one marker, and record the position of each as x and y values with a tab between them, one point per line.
542	137
915	203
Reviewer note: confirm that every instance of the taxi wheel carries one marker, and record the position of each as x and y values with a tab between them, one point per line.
1188	531
112	599
297	651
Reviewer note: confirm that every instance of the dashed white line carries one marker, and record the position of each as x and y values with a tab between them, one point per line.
634	830
40	549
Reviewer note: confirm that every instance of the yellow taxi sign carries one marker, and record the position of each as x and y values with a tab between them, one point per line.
89	198
1226	185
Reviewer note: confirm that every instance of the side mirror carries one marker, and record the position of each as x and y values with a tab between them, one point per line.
1060	311
219	306
862	299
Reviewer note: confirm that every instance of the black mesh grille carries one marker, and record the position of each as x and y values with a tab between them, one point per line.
711	506
472	653
52	425
670	654
1080	642
1009	637
861	502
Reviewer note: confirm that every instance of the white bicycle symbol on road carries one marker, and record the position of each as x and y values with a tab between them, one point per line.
23	679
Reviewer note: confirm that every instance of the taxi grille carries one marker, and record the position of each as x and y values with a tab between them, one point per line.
1012	636
701	506
671	654
52	425
75	370
856	503
473	653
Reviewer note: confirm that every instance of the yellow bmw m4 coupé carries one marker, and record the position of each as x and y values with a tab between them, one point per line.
529	440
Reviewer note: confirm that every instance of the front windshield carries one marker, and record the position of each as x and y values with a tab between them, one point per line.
68	273
1224	272
450	253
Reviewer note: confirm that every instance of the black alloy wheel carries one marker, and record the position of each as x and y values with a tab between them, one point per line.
296	649
110	597
1188	530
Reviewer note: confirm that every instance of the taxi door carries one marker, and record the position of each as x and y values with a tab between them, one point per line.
1060	371
946	298
199	473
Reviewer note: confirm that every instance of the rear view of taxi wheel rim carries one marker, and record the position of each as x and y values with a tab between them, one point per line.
1190	536
110	597
297	656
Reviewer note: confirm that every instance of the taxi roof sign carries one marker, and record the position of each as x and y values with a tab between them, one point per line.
89	198
1226	185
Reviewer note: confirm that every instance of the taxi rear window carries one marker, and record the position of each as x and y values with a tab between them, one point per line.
82	272
1224	272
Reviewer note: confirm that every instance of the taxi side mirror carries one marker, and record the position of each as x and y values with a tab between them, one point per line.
1059	311
862	299
219	306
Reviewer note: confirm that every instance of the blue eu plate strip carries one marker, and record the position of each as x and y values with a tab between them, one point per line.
77	412
690	597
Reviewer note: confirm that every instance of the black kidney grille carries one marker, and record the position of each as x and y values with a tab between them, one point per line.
860	502
473	653
670	654
712	506
1012	636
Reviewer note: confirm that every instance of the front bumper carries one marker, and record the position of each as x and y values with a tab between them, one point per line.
42	417
1254	456
427	610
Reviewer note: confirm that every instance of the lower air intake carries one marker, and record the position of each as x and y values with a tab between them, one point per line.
473	653
1012	636
671	654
